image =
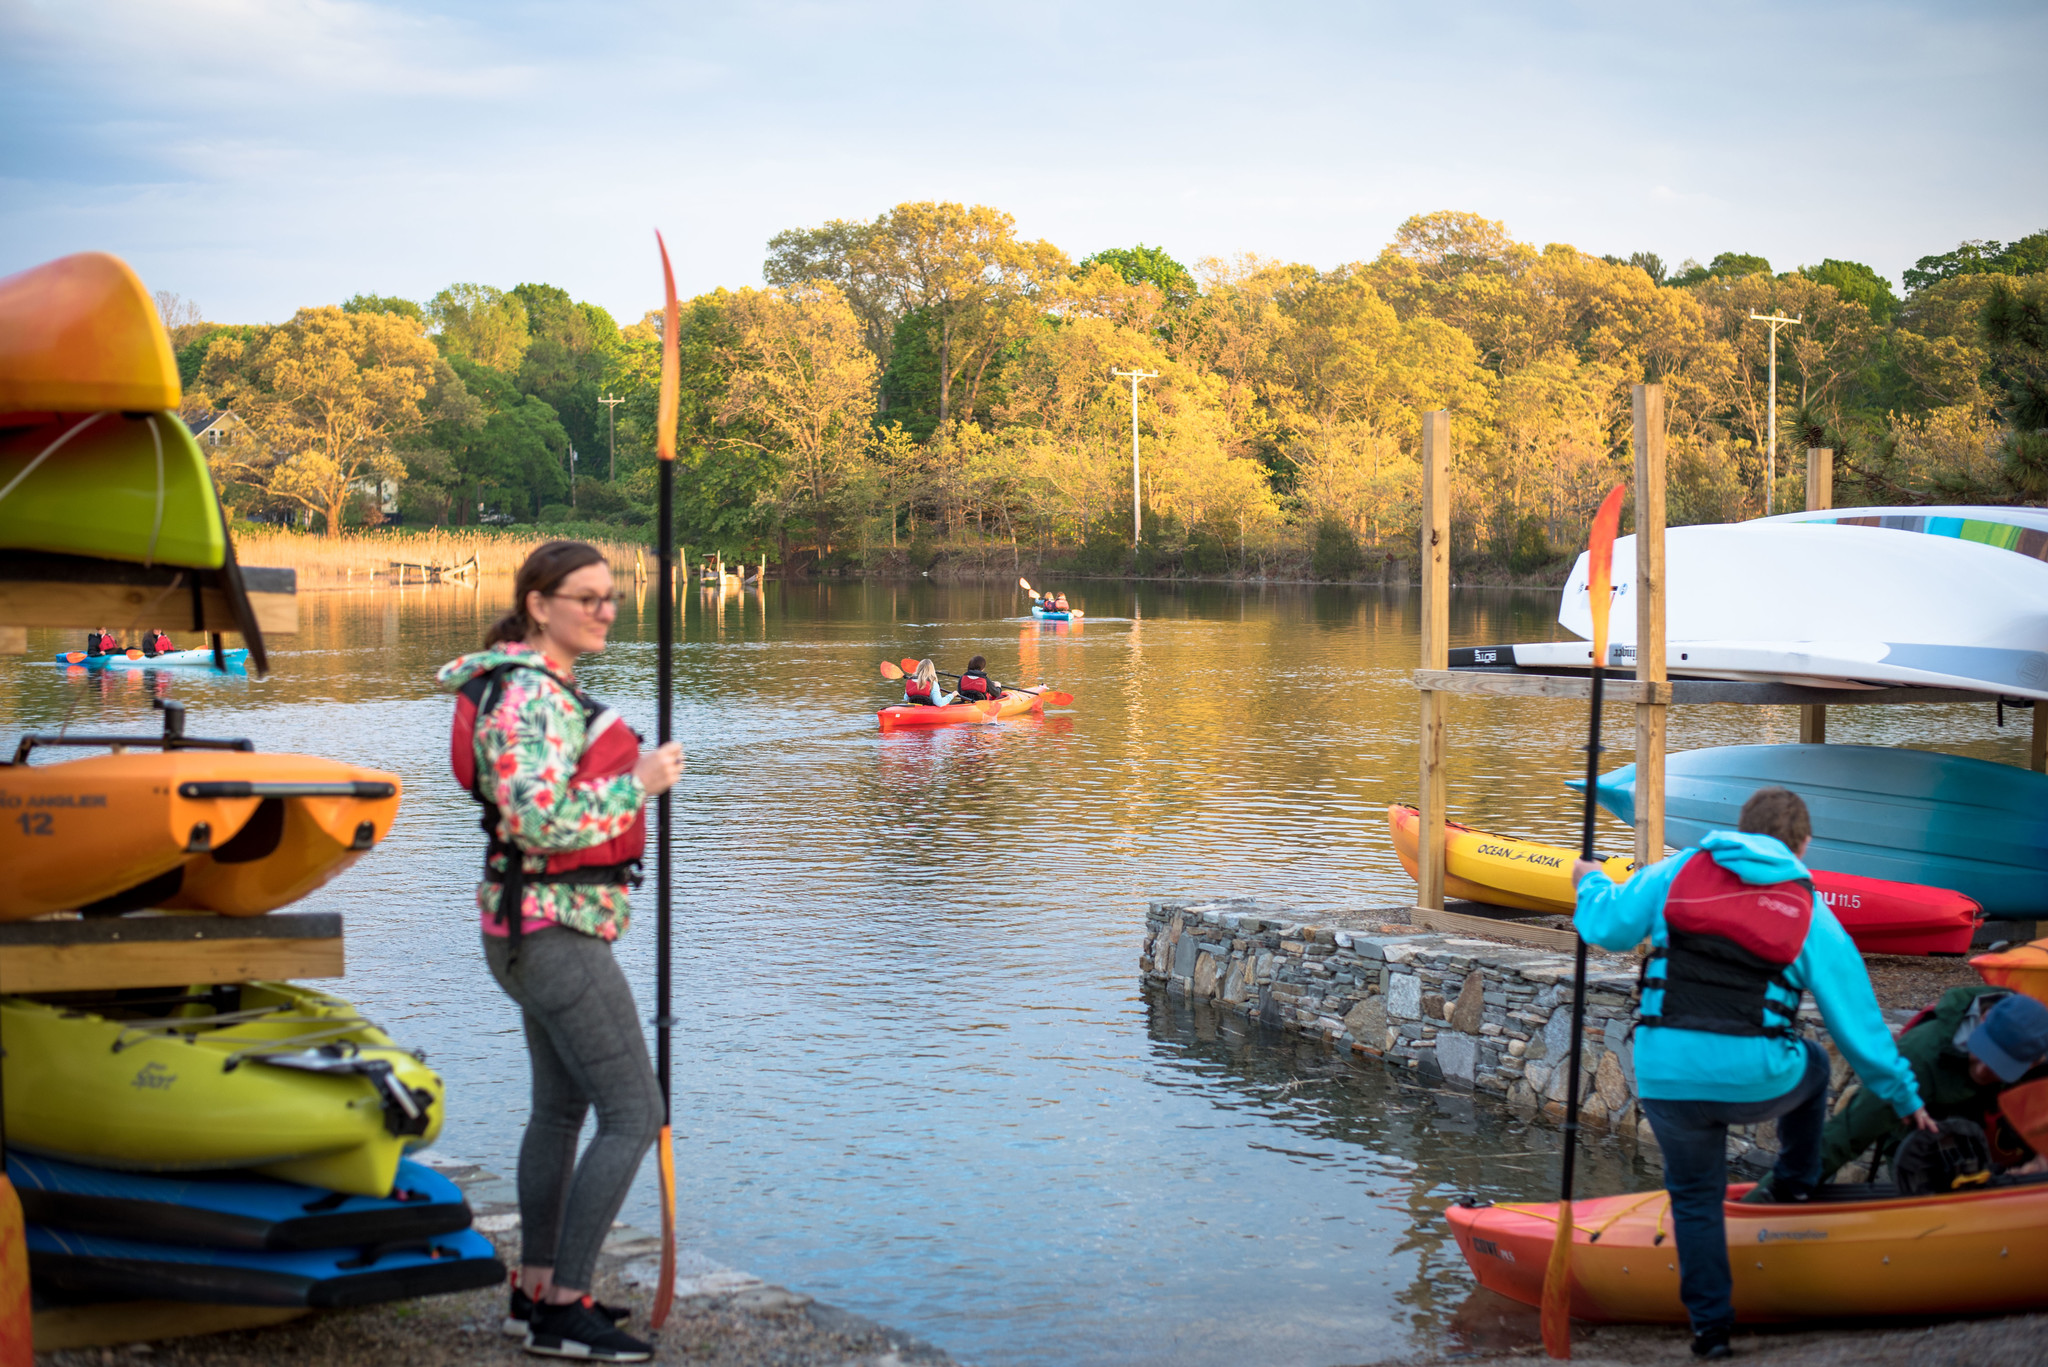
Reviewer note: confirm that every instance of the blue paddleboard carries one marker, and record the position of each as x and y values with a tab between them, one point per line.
1911	816
233	1210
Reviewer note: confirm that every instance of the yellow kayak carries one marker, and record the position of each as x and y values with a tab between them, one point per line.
1482	867
272	1076
227	831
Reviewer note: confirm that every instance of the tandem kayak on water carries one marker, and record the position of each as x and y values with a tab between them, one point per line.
1881	916
1853	1251
1072	616
232	660
1014	703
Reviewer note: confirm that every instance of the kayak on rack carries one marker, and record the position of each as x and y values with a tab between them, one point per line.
233	1209
68	1266
1910	816
233	660
1882	917
1014	703
1854	1251
272	1076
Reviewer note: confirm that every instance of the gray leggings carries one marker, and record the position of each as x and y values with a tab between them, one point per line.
583	1036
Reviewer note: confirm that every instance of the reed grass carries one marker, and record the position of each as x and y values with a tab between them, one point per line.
364	559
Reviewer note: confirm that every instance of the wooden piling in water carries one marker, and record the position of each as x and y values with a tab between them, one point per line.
1436	653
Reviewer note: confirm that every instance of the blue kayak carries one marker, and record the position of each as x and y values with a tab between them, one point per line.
1042	615
233	1209
170	659
1911	816
65	1266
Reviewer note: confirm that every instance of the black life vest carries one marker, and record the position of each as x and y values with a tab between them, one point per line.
975	684
98	644
610	748
1728	943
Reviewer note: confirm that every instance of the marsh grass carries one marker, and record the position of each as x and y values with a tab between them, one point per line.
363	559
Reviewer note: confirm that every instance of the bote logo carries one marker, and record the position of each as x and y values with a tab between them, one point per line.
154	1075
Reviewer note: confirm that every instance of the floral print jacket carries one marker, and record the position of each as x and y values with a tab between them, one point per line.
526	752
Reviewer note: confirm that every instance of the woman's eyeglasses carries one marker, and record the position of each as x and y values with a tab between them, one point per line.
592	603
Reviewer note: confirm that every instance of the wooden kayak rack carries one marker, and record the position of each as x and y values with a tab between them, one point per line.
1648	687
167	949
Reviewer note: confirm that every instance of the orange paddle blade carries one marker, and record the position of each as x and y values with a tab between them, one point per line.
1056	699
671	364
74	656
890	671
17	1340
665	1292
1600	569
1557	1288
909	665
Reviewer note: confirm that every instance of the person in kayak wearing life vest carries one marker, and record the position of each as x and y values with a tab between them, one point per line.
1737	936
976	685
563	783
1060	604
99	644
922	689
155	643
1975	1043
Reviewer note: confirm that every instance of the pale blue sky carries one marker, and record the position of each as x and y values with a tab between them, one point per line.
258	155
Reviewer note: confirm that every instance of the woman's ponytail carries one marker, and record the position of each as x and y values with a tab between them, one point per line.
542	573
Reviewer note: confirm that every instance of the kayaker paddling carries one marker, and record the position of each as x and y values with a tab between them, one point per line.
975	684
922	689
1737	936
563	783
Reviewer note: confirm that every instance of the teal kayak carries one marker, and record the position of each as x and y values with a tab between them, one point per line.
170	659
1910	816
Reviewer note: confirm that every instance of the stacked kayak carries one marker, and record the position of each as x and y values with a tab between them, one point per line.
1881	917
1909	816
232	660
203	830
1978	1251
273	1077
2023	968
1015	703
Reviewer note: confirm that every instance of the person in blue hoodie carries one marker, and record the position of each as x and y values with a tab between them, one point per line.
1737	936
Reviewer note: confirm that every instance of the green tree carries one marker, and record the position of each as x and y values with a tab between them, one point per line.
1981	256
1143	265
480	324
1854	280
385	303
852	257
1728	265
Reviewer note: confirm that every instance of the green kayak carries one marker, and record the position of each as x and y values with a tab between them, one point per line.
112	485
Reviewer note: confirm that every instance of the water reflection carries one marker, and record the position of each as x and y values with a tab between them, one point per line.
916	1075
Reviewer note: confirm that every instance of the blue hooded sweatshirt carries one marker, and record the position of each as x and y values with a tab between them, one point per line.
1698	1065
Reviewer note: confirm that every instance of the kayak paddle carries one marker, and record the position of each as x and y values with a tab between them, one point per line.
664	594
1025	584
1557	1277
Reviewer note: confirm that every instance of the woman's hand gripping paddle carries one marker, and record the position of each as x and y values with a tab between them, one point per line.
1557	1277
665	439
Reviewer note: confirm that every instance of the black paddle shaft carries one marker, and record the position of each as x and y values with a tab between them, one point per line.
664	690
1571	1098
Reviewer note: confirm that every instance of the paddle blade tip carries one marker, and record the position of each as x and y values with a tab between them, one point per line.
1557	1288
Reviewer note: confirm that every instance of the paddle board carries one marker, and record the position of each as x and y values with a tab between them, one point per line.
1908	816
235	1209
2024	530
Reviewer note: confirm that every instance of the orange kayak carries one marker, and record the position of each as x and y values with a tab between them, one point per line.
201	830
1014	703
1958	1253
2024	968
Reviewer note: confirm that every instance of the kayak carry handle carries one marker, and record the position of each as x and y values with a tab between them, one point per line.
363	788
38	742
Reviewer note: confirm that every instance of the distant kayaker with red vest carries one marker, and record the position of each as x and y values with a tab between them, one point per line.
976	685
922	688
563	783
1737	935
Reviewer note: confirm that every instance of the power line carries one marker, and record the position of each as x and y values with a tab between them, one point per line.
1771	459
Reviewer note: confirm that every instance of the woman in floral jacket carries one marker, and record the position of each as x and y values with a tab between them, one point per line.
531	735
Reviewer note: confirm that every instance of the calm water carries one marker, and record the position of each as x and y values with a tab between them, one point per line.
917	1075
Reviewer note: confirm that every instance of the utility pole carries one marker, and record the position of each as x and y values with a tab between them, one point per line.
572	475
1137	503
1771	459
611	431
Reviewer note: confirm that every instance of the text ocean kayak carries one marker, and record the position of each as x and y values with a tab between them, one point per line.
1910	816
1015	703
170	659
286	1080
1881	917
1974	1252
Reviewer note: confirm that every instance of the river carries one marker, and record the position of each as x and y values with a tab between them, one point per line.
916	1074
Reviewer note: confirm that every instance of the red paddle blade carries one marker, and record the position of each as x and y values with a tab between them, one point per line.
1057	699
671	366
1600	569
909	665
665	1289
1557	1288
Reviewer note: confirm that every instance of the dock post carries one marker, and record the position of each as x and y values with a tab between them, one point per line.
1436	646
1820	493
1650	716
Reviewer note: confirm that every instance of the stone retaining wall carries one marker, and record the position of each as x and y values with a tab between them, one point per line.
1477	1013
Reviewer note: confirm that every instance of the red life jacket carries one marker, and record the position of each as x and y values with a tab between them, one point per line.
1728	942
610	748
913	691
974	684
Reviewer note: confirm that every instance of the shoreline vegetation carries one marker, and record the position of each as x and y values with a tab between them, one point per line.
929	389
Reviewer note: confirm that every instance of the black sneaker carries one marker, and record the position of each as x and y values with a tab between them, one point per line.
516	1318
1711	1344
577	1330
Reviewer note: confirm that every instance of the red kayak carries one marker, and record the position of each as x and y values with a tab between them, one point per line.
1015	703
1899	918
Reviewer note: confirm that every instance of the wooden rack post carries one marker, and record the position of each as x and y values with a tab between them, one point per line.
1820	493
1436	653
1649	591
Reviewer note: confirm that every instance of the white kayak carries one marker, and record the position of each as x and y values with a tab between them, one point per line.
1830	605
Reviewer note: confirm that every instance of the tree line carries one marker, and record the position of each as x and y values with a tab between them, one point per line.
931	380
